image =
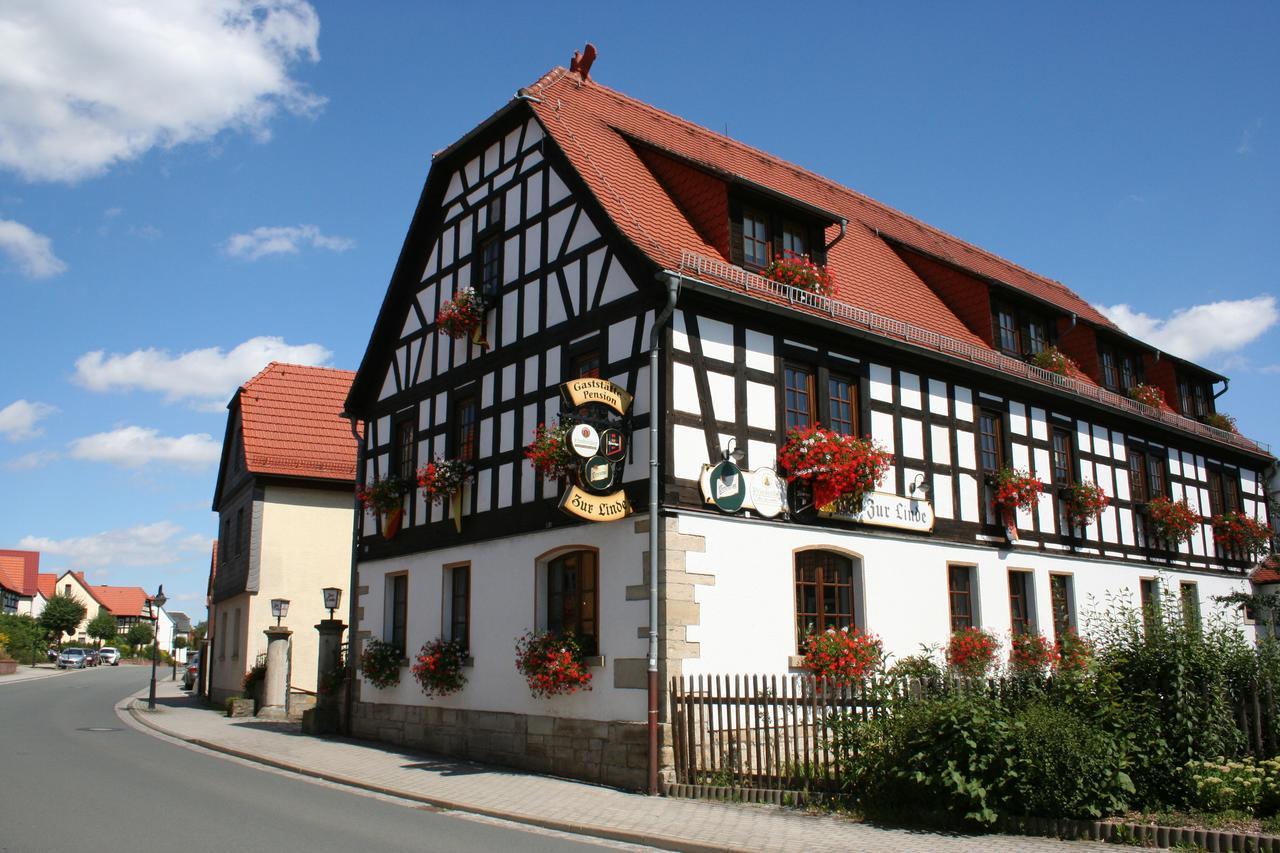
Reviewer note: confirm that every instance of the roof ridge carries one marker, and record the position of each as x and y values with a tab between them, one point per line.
774	159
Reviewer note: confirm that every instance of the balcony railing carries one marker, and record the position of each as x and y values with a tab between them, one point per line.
723	274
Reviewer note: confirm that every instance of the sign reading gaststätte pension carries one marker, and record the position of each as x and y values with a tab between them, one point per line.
590	389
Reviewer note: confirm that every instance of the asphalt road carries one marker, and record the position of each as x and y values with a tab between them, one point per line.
75	778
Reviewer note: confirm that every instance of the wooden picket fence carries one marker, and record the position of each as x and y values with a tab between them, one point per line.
774	732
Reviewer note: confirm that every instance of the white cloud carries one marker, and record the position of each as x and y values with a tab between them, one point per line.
19	419
31	461
1201	330
142	545
30	251
133	447
86	85
207	376
282	240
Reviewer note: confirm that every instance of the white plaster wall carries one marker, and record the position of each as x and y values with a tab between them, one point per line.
306	546
503	607
748	616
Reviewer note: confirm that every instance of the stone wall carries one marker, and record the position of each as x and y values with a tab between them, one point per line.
608	753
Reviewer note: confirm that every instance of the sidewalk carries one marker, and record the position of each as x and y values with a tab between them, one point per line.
30	673
673	824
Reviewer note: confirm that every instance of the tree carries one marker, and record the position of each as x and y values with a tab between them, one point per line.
26	636
62	614
198	633
139	634
102	627
180	642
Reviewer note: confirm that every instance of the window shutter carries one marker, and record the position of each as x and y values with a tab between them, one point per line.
735	232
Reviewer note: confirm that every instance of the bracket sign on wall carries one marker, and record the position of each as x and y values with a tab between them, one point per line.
730	489
600	443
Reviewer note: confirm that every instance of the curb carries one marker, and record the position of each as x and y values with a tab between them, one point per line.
593	831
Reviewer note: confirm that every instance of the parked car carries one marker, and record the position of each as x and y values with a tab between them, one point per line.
191	672
72	659
51	654
90	657
109	655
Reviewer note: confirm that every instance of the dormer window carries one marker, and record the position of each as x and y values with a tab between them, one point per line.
1020	332
763	230
755	238
1194	397
794	239
1121	369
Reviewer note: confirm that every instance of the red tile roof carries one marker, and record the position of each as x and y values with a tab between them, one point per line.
291	424
19	571
1268	571
47	583
122	600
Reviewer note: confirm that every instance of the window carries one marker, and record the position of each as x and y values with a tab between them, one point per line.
571	598
843	415
1007	327
755	238
824	592
1020	332
960	595
397	610
1062	604
1155	476
1137	476
990	443
1231	491
465	428
1190	604
405	464
489	267
1130	371
1148	595
1193	397
10	604
1036	337
235	637
798	400
1110	378
1021	602
586	364
458	597
66	589
1062	469
239	531
1217	498
794	238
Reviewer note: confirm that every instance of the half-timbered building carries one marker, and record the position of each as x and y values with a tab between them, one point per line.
575	211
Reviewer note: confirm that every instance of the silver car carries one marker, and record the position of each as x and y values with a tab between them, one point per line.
72	659
109	655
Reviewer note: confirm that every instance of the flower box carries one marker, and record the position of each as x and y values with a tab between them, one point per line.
380	663
1238	532
1172	521
1055	360
1016	489
1084	502
438	667
549	451
441	478
844	655
386	498
463	316
841	469
1222	421
1147	395
971	652
552	664
800	272
1030	655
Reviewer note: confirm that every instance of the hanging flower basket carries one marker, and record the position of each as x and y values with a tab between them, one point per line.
442	478
1016	489
1083	502
463	316
971	652
380	663
1239	532
1222	421
798	271
1072	652
549	451
841	469
1055	360
1147	395
385	497
438	667
844	655
1174	521
1030	655
552	664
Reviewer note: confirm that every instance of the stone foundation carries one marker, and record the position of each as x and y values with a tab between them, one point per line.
609	753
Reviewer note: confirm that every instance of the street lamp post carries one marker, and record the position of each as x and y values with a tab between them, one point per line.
153	610
332	598
279	609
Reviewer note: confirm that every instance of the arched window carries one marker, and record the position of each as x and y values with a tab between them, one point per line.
571	584
825	591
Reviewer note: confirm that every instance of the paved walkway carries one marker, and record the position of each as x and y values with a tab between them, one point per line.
673	824
29	673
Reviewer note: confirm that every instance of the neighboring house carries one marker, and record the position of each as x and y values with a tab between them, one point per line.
19	585
284	499
181	628
129	604
570	209
46	583
75	585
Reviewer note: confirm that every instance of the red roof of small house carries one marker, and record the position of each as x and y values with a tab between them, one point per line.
122	600
1268	571
47	584
291	422
20	571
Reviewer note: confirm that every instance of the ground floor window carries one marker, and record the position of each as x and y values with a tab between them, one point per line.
1021	602
960	597
572	598
397	616
1061	602
1149	597
457	596
824	592
1190	604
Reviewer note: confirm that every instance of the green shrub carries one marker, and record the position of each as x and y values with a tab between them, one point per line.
1067	766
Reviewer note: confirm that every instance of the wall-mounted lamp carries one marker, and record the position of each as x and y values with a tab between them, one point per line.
920	487
734	453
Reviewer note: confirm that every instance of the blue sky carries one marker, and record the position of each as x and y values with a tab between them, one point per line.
176	211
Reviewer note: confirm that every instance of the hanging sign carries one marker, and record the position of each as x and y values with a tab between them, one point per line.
597	473
581	392
887	510
583	504
613	444
730	489
584	440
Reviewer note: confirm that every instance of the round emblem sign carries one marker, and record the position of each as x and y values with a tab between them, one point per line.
766	492
597	473
584	440
612	444
728	488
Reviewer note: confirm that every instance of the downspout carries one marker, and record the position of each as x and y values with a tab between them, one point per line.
655	336
352	596
844	224
1226	383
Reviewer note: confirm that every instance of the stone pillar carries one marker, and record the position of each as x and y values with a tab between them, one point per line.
275	688
324	718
